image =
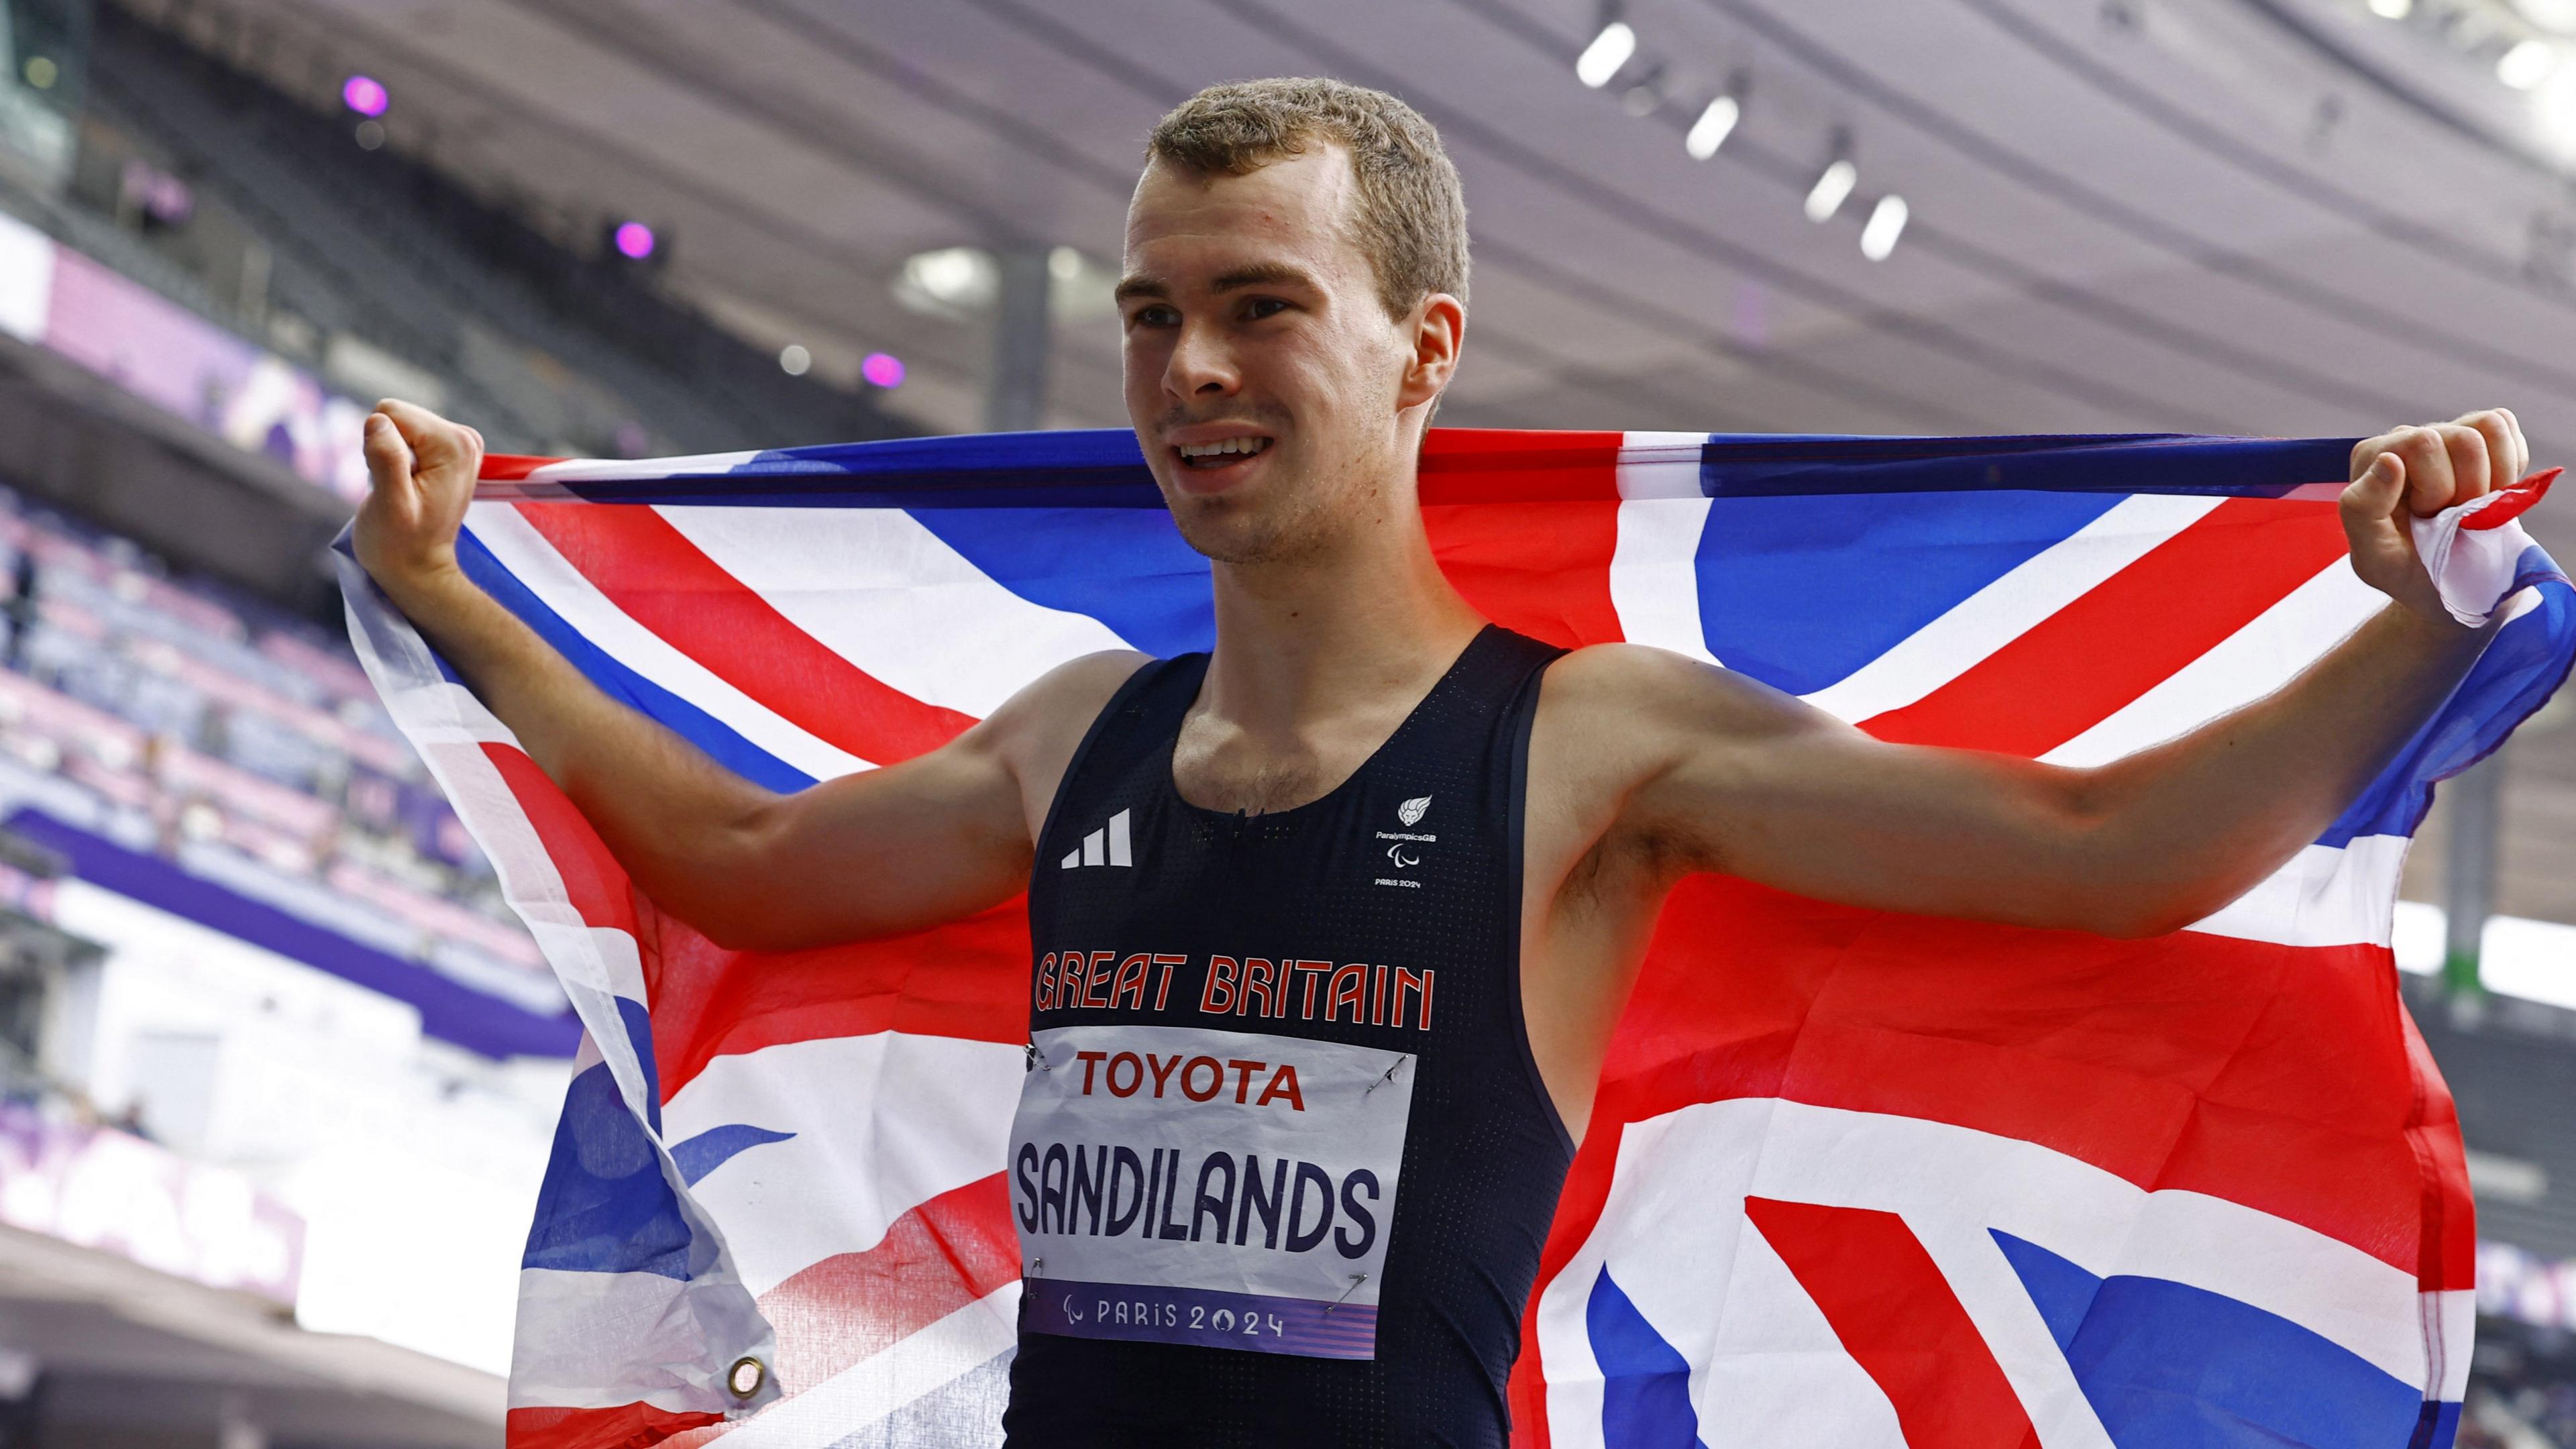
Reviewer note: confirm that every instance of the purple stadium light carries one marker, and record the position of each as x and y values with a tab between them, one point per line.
634	240
365	95
883	369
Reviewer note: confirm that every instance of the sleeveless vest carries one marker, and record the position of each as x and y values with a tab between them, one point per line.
1283	1164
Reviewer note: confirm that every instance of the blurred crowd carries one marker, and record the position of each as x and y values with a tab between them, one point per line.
246	745
2522	1388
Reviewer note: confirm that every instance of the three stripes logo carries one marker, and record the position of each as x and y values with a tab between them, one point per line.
1105	846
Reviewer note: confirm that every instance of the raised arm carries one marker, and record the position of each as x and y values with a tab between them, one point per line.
1731	776
868	854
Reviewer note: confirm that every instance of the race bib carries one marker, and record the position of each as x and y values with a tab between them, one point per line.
1223	1188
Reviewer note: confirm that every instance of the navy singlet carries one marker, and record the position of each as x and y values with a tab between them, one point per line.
1283	1164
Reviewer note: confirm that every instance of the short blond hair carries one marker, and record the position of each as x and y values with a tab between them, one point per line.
1411	214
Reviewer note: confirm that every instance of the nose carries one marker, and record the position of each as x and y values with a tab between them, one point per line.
1201	365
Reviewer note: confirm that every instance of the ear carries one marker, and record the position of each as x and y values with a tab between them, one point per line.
1436	328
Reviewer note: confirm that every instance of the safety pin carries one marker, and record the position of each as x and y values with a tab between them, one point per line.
1039	1061
1356	1280
1389	1077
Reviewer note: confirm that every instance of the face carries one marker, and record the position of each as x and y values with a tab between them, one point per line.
1277	403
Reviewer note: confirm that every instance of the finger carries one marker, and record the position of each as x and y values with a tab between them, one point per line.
2428	469
2504	463
2368	450
2472	462
2373	497
411	418
2505	441
388	456
435	442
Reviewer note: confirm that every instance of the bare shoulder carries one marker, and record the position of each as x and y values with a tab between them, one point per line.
1621	726
1036	730
1633	697
1059	704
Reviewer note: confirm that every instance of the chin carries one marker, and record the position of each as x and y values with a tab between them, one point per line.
1227	532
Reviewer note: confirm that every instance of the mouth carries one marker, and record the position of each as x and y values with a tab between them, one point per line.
1218	461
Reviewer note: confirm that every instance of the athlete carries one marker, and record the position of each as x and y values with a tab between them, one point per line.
1332	925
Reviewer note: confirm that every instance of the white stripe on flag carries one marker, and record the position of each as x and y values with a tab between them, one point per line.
448	727
573	470
1660	465
2245	666
877	1387
878	589
883	1123
1654	574
602	1340
552	578
2011	606
2324	897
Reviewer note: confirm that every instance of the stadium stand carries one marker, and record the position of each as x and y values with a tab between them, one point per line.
238	743
555	349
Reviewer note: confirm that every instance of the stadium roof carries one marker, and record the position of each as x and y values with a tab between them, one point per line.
2283	216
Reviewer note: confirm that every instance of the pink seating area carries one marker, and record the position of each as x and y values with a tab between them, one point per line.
197	721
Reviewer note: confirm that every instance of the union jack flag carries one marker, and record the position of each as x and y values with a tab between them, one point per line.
1854	1179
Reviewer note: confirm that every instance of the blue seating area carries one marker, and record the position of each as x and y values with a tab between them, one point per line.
180	720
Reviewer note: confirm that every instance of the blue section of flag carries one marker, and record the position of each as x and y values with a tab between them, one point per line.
2522	666
1770	465
605	1206
695	725
1800	592
2169	1366
639	1037
1126	567
717	1146
1645	1381
1081	468
2436	1427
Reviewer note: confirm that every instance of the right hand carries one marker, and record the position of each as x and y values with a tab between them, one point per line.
420	476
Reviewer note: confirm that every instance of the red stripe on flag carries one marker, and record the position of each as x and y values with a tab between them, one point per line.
2128	633
629	1426
596	884
2516	501
1508	465
1524	526
1898	1318
937	1258
654	574
968	978
1540	568
510	467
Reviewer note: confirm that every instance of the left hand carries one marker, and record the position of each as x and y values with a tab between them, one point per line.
2415	473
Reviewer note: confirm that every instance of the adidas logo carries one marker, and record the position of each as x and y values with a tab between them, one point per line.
1105	846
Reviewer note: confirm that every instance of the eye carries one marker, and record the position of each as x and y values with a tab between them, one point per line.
1154	315
1259	307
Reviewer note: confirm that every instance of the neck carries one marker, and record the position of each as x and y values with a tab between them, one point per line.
1305	642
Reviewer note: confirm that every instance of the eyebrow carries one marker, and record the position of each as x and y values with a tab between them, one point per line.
1262	274
1258	274
1139	287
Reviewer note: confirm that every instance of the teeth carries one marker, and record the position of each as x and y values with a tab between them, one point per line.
1223	446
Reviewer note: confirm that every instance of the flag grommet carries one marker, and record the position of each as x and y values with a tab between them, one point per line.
745	1377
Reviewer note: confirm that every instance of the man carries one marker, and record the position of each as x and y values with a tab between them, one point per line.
1393	869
